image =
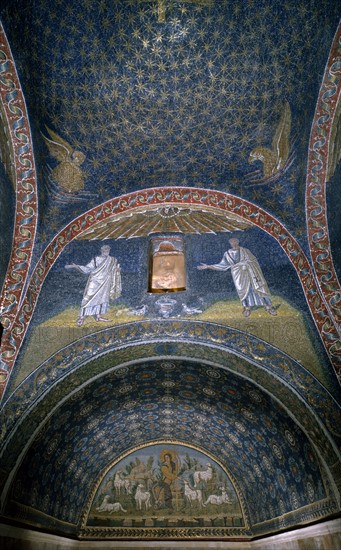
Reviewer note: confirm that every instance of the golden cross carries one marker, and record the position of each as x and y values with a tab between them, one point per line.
161	9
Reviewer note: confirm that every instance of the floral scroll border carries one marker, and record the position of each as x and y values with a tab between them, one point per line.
14	109
174	196
316	184
317	412
319	283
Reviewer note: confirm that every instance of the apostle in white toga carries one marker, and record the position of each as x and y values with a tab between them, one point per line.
247	276
104	283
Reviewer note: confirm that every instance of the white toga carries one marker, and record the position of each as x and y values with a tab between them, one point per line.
104	282
247	276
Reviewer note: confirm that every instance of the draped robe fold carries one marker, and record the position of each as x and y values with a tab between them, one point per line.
247	276
104	282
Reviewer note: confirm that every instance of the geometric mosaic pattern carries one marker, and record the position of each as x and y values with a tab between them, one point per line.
126	117
172	400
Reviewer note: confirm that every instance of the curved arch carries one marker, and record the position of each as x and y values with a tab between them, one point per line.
14	109
299	393
176	196
316	209
78	388
83	527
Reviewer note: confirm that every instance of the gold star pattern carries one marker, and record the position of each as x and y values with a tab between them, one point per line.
203	87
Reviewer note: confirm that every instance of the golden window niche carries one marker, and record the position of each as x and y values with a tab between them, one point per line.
167	269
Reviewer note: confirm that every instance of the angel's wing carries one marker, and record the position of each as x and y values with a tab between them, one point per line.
58	147
280	142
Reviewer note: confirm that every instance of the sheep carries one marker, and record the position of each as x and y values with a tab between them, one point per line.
192	495
119	482
116	507
110	506
142	497
204	475
128	485
218	499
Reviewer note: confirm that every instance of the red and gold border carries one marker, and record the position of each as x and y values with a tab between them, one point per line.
16	120
316	184
184	196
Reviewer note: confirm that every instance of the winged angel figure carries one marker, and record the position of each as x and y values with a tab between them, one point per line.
277	159
67	175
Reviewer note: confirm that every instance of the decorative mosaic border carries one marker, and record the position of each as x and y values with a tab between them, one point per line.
121	337
143	533
244	530
285	379
14	109
184	196
301	516
316	209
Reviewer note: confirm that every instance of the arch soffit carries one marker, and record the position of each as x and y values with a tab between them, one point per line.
325	119
267	367
76	387
22	172
13	339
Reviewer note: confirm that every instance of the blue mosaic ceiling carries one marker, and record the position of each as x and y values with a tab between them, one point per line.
126	101
183	97
216	410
